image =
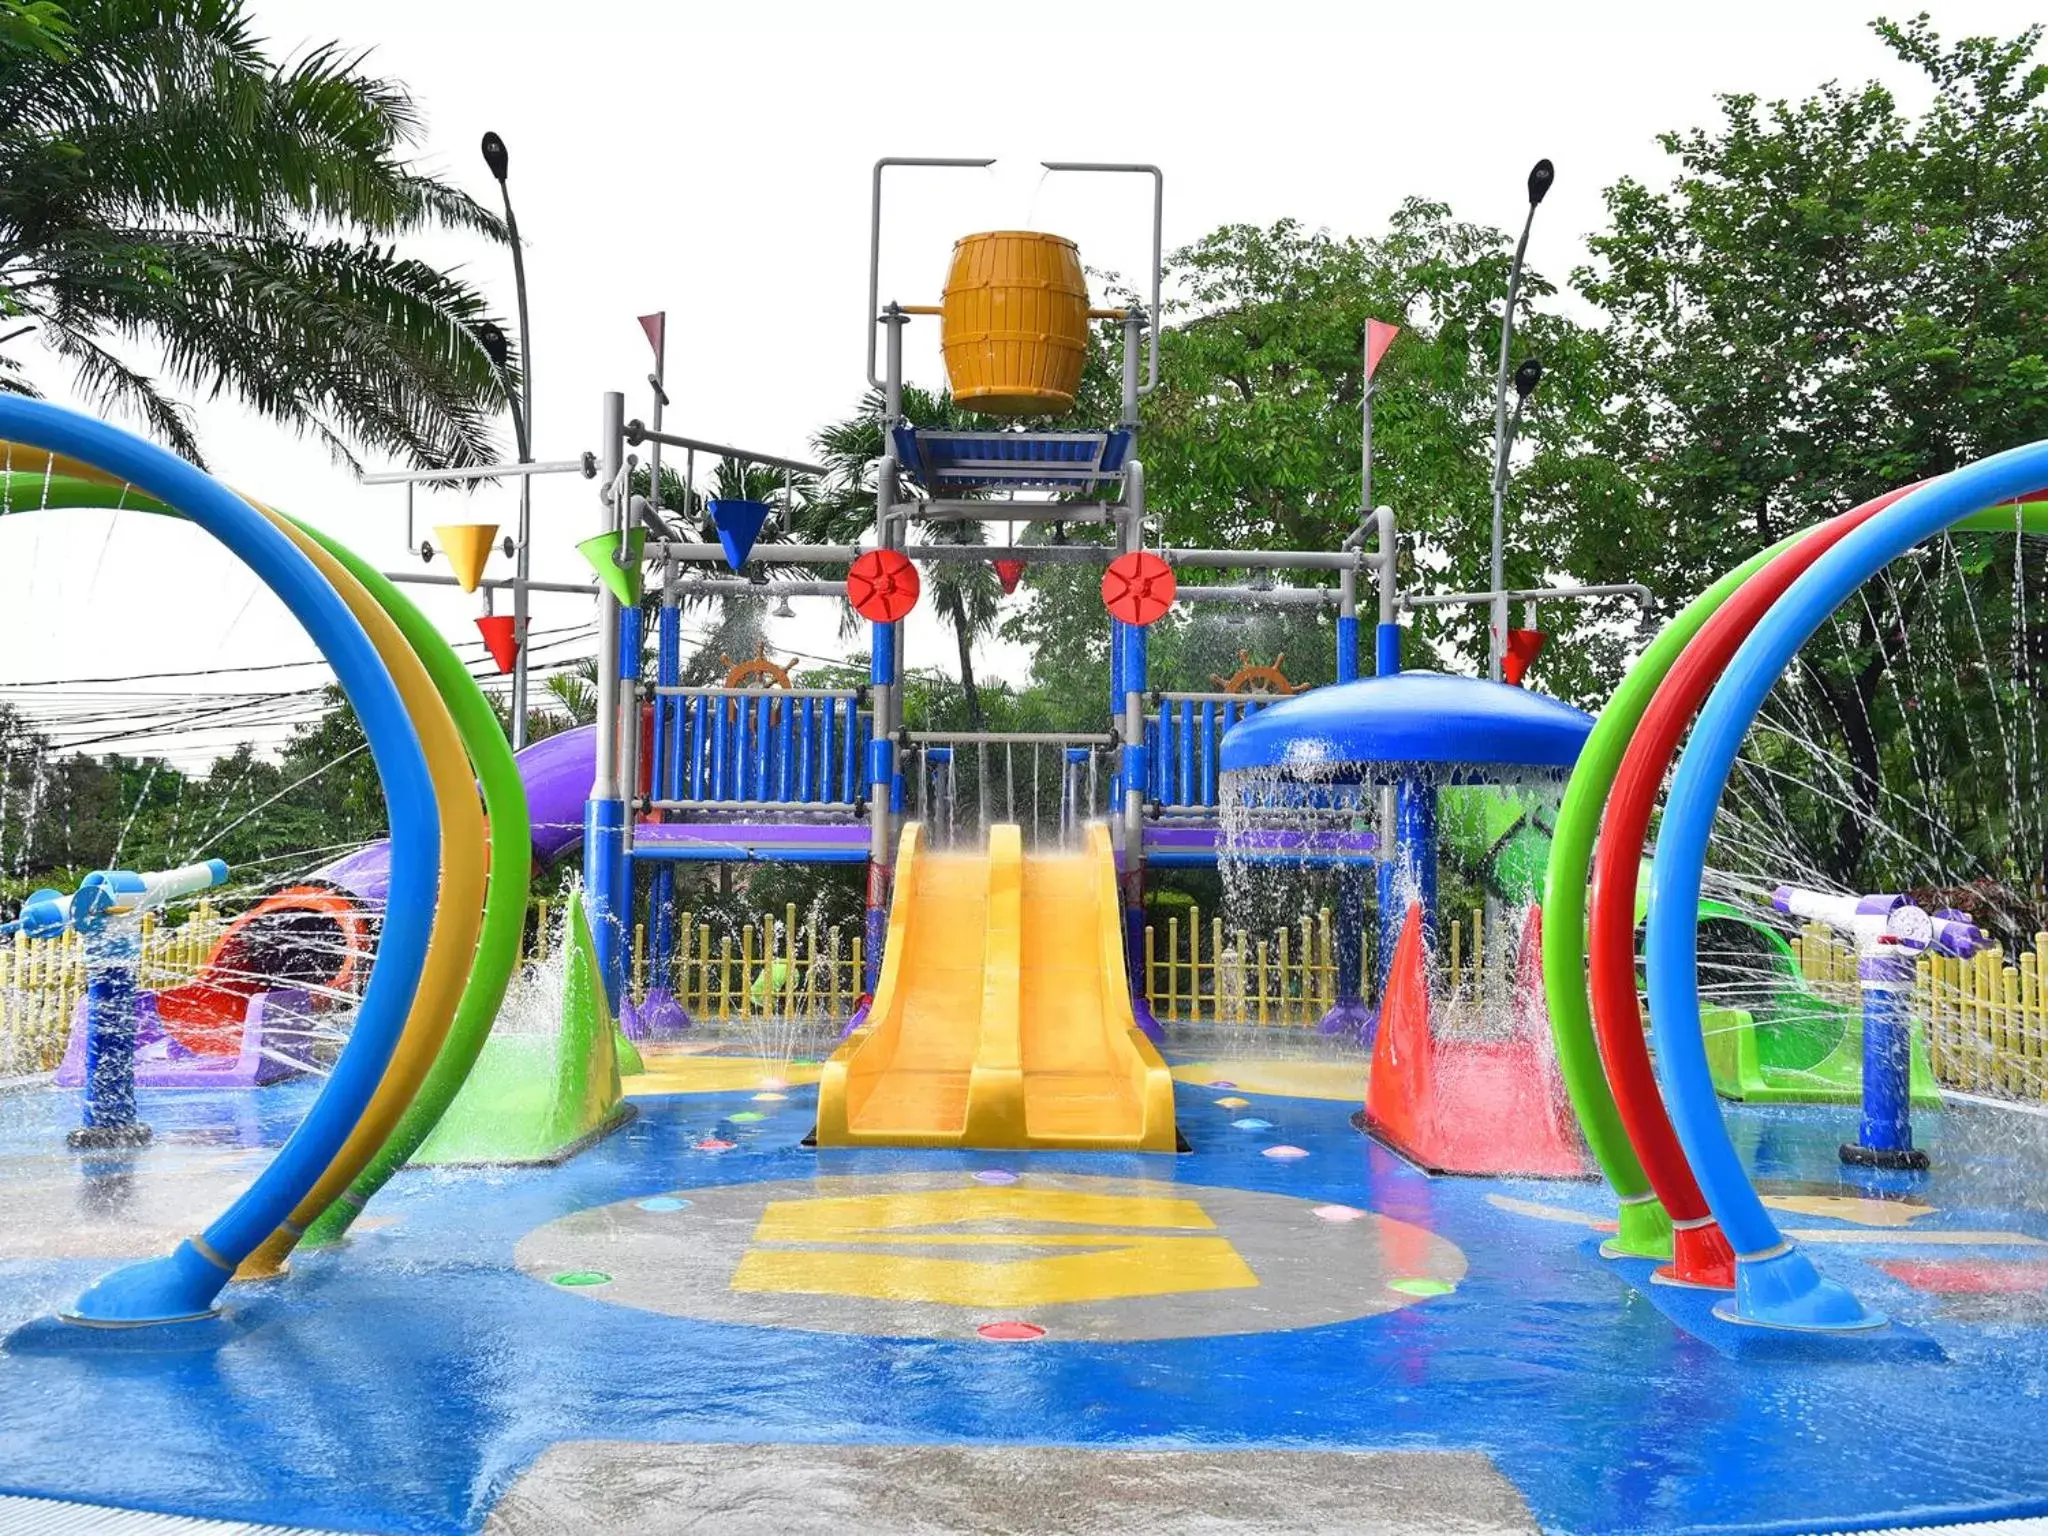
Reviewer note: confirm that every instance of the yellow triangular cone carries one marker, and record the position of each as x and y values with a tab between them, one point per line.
468	547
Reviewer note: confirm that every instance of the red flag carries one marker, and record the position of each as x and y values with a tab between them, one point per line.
656	326
1009	572
1378	337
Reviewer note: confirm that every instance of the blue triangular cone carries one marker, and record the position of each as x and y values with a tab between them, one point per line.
738	524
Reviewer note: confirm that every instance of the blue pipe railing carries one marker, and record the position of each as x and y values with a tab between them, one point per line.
1184	739
761	748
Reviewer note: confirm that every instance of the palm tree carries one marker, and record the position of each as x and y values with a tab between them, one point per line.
967	597
574	691
165	188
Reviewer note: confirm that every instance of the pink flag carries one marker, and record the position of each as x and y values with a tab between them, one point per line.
655	325
1378	337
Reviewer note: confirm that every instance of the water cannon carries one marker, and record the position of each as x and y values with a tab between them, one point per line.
1955	935
1890	934
1883	920
108	894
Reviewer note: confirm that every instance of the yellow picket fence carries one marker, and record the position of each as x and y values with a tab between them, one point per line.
778	969
1206	973
1986	1017
42	981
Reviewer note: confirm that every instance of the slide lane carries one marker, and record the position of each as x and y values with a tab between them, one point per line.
1002	1018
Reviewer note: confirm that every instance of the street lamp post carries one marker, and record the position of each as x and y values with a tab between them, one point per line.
1540	177
497	159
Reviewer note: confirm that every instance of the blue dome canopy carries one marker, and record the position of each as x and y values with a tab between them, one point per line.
1415	718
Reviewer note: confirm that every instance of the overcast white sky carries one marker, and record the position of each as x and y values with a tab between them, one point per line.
714	161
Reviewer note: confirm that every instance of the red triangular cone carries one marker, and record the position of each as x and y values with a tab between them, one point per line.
1524	646
1009	573
499	639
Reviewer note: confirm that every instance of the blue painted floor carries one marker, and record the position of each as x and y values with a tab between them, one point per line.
402	1383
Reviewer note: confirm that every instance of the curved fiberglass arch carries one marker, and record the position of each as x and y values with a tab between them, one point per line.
1775	1282
185	1282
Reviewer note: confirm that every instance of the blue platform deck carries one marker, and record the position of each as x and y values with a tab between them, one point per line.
404	1383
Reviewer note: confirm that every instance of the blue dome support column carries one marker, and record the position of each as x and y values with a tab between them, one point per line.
1348	1014
1403	733
1415	854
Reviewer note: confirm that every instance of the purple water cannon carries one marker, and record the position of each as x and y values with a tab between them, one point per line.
1890	934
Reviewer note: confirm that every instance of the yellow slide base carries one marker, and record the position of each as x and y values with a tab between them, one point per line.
1002	1019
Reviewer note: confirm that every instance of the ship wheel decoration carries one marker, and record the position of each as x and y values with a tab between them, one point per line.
759	671
1252	678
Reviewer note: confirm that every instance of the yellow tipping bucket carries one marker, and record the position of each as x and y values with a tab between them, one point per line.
1015	323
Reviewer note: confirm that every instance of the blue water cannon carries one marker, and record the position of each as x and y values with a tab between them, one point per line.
108	894
1890	934
106	911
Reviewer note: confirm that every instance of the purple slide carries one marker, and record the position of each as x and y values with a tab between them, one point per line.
556	772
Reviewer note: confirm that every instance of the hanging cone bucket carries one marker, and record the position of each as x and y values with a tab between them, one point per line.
624	580
468	547
500	638
1009	573
1524	646
738	524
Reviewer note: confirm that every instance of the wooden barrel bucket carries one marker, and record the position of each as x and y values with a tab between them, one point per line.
1014	325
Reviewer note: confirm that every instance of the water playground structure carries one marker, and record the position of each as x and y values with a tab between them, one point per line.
1542	1206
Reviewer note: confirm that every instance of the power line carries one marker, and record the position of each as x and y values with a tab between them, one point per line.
267	666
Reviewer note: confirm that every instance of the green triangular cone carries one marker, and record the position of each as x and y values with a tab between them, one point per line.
624	580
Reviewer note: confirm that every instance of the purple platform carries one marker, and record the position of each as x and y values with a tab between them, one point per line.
1169	844
160	1062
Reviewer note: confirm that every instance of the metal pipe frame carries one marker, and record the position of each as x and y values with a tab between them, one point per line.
737	587
1211	696
1270	597
638	432
1007	738
586	466
718	691
1004	512
1158	246
875	232
1044	554
491	583
1644	598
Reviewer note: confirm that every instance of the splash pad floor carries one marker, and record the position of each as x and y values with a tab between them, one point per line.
699	1321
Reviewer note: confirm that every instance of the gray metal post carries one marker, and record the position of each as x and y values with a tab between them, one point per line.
612	438
1134	321
1497	623
522	422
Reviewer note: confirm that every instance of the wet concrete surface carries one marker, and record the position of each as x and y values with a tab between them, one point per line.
927	1490
407	1382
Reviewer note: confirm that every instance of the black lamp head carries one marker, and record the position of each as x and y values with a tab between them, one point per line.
1528	376
496	158
1541	175
493	341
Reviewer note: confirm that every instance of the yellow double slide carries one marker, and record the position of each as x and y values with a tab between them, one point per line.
1002	1018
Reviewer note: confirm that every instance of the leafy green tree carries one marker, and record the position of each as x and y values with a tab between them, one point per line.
843	510
1836	296
1253	441
165	187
